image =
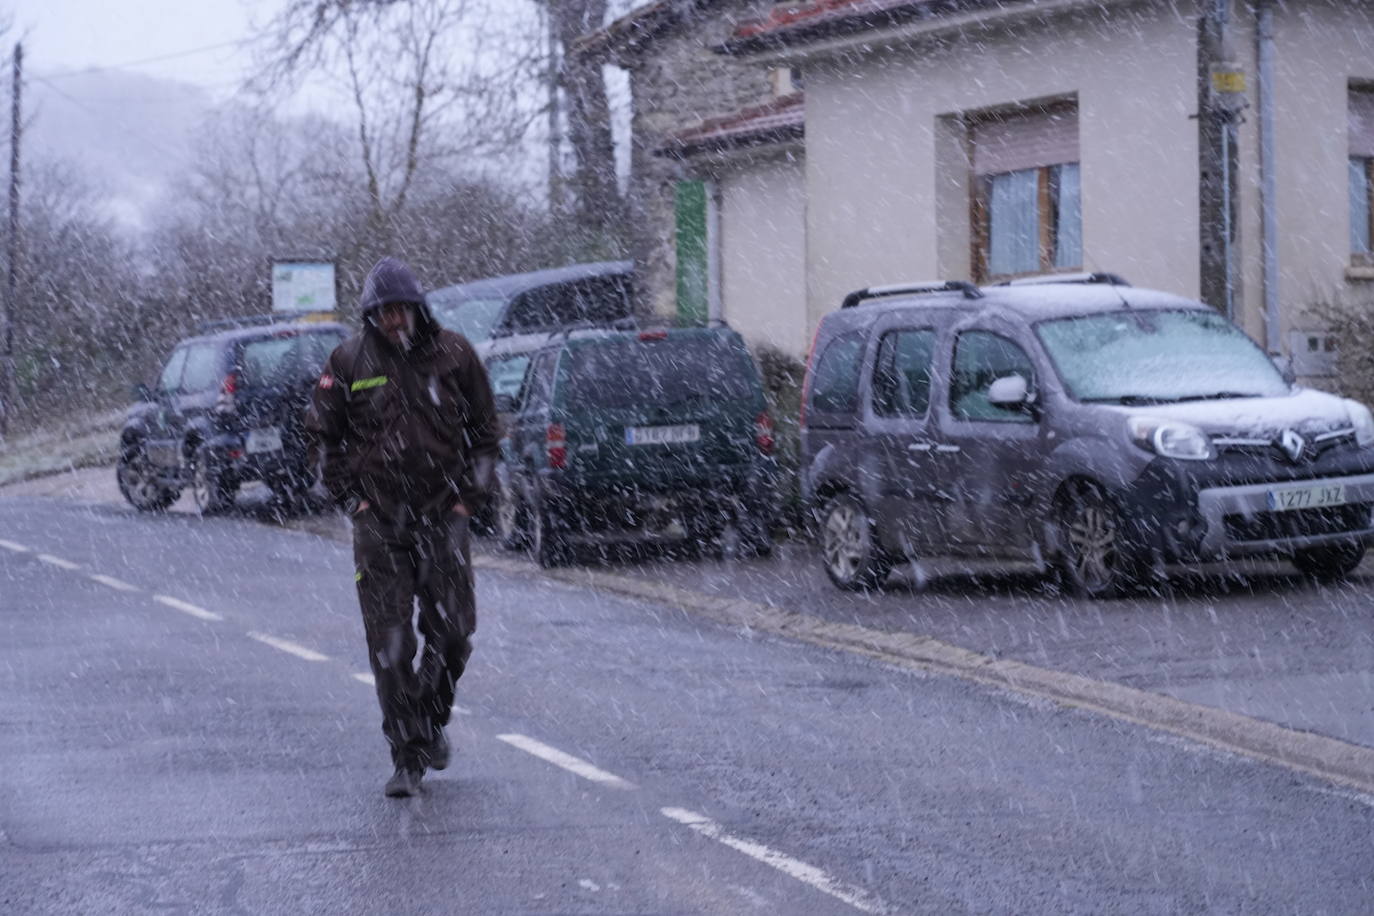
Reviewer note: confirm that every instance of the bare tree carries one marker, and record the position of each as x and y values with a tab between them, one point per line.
432	83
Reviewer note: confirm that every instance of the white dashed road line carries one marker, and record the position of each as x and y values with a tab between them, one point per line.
567	761
807	874
284	645
114	583
57	561
17	548
185	608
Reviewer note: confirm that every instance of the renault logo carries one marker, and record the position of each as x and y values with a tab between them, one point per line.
1293	445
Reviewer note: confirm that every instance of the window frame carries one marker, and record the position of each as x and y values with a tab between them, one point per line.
1049	186
1364	258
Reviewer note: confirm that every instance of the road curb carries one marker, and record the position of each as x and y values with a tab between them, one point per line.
1331	759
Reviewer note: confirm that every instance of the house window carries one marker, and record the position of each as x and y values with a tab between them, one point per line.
1027	207
1361	174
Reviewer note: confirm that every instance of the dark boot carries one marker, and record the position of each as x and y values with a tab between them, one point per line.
404	783
438	751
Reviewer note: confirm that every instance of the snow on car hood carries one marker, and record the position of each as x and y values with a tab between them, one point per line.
1305	410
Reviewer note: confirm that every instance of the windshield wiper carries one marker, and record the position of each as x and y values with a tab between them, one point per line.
1219	396
1129	400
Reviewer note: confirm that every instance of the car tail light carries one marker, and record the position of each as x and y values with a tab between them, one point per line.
806	378
227	389
653	335
763	433
557	439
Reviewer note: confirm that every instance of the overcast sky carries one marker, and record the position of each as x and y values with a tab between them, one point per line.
64	35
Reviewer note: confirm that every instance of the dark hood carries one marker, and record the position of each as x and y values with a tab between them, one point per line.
392	280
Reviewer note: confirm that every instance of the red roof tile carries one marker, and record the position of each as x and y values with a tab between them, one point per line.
780	119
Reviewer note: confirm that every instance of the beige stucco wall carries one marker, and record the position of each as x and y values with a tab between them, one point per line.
1319	47
881	210
763	253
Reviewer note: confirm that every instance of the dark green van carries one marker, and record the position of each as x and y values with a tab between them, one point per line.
644	435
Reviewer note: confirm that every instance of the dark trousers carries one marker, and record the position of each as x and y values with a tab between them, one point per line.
424	561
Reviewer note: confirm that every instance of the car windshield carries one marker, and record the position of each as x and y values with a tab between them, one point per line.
473	318
1157	357
667	372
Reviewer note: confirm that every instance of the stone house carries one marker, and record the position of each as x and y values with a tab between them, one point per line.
986	140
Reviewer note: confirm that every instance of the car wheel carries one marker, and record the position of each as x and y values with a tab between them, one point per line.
1095	560
756	536
547	542
137	479
510	524
211	491
853	558
1330	562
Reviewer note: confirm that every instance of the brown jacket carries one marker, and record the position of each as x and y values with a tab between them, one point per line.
414	432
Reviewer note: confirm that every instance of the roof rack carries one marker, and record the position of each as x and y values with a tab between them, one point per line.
1103	278
903	289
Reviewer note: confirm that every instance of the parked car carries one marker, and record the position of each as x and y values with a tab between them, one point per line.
543	300
1099	430
640	435
227	409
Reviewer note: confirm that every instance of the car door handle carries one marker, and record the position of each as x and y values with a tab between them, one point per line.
947	449
919	447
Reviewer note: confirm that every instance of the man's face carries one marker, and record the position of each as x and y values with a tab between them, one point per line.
397	321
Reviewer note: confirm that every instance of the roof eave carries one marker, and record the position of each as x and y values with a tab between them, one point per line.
789	134
830	39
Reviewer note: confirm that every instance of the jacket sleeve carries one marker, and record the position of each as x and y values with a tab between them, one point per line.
481	431
327	423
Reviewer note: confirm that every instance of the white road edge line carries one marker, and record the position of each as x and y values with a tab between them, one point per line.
17	548
284	645
185	608
58	561
807	874
114	583
567	761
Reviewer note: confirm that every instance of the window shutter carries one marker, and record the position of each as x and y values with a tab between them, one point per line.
1010	143
1362	122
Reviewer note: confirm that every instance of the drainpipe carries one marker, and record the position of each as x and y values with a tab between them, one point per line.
1269	219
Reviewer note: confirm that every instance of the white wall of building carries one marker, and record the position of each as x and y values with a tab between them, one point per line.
888	196
763	253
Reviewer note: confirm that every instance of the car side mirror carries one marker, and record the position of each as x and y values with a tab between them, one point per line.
1009	393
142	393
1284	364
505	403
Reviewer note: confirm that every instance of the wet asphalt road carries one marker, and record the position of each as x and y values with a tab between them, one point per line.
1257	640
154	760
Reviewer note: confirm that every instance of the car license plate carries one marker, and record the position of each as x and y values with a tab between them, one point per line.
661	435
1307	497
263	440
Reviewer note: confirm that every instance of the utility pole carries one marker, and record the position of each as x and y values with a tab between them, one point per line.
1221	98
556	190
10	391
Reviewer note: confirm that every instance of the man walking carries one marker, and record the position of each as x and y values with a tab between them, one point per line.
405	417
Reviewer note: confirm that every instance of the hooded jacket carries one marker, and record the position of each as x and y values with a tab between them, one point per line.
413	431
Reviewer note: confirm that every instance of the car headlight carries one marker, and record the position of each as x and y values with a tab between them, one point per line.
1171	439
1362	420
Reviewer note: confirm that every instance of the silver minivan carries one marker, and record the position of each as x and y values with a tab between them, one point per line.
1100	431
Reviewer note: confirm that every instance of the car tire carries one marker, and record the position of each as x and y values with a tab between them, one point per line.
756	536
211	490
507	514
1329	562
853	558
137	480
1095	560
547	543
